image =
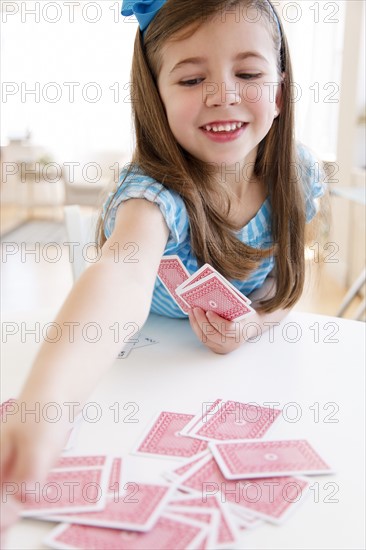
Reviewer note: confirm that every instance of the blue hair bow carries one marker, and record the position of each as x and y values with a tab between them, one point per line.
143	10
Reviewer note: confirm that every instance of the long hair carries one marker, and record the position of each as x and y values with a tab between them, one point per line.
158	155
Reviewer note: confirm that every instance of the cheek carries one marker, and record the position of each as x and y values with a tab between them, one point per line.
260	103
259	97
181	111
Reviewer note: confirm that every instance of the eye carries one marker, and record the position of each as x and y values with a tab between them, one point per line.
191	82
249	76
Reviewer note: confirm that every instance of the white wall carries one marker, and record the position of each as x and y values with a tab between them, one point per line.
83	52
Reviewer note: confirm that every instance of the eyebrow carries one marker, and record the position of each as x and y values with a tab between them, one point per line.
201	60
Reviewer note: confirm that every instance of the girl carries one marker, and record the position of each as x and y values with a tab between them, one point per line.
215	177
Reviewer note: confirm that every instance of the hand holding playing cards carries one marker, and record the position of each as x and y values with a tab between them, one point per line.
213	304
217	310
218	334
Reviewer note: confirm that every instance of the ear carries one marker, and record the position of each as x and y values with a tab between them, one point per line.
278	99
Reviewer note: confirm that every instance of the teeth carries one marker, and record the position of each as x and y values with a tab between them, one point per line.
228	127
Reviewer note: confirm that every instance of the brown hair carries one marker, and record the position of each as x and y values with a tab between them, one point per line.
158	155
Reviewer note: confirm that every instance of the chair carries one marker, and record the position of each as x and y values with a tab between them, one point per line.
355	194
80	229
351	295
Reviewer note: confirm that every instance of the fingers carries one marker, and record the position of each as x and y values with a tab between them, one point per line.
201	325
215	332
10	510
10	505
228	329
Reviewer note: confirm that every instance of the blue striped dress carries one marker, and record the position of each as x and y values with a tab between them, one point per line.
256	233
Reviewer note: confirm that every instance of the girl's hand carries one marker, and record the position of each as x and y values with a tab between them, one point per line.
28	450
218	334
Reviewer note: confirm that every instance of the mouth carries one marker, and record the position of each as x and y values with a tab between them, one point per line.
224	131
223	127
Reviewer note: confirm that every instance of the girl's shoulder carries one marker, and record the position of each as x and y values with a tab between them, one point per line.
134	183
133	177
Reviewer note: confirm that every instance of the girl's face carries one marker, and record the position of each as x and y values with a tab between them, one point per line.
220	88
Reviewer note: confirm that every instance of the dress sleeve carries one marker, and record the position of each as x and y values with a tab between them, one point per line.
139	186
313	179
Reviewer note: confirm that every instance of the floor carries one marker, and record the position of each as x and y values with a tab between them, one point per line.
37	274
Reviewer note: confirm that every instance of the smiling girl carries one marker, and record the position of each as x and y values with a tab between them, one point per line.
216	177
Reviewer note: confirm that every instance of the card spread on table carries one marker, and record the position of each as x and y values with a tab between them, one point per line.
250	459
227	531
73	433
208	409
245	519
209	517
200	506
137	509
80	461
70	489
232	420
174	474
169	533
163	438
271	498
114	482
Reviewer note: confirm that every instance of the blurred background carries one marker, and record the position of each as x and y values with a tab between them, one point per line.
66	133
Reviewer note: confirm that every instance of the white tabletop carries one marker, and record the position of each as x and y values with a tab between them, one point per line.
312	366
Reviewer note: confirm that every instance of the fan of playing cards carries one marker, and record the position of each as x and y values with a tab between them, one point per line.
206	289
230	479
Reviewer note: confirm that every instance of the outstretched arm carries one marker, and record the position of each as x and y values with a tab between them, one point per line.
109	291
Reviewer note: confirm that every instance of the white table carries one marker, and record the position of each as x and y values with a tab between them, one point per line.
321	376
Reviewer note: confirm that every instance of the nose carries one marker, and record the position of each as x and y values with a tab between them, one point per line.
221	94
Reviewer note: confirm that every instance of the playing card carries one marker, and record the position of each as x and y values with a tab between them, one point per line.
244	519
68	489
73	433
172	273
144	340
80	461
139	341
162	438
173	475
203	272
114	483
137	508
207	516
250	459
271	498
278	497
125	352
226	420
208	408
168	533
227	532
204	472
212	294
